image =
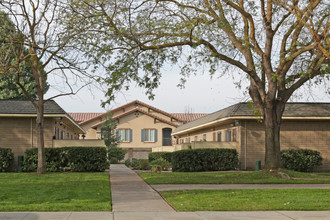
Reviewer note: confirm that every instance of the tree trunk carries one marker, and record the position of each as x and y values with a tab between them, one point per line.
273	112
40	137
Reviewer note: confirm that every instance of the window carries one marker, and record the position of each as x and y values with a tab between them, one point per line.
228	135
181	141
124	135
219	136
204	137
62	134
149	135
196	138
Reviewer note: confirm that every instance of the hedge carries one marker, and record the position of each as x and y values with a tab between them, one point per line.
302	160
6	159
196	160
157	155
79	159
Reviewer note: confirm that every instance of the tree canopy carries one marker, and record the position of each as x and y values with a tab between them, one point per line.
277	45
9	89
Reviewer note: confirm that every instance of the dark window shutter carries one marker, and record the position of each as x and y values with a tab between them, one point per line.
142	135
234	135
156	139
130	135
117	135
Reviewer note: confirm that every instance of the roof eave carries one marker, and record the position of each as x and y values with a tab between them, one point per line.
245	118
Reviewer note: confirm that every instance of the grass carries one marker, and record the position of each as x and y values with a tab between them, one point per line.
252	177
249	200
55	192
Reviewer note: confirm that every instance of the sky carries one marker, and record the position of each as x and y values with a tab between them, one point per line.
200	95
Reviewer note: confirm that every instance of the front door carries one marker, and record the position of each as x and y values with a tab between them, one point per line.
167	137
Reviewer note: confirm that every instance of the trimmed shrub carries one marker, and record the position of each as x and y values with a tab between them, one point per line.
156	155
90	159
6	159
113	160
80	159
196	160
164	164
116	152
138	164
55	160
302	160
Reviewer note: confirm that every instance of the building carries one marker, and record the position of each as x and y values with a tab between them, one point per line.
304	126
18	125
141	128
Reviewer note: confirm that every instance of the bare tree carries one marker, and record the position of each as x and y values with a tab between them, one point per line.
277	45
43	42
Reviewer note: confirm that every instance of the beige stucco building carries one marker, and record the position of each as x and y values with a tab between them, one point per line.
304	126
140	127
18	125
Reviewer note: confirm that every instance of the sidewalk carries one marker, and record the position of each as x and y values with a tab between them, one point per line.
167	187
131	194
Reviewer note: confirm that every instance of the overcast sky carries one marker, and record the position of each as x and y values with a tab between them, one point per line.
200	95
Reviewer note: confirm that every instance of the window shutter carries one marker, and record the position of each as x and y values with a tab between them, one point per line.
214	136
117	135
155	135
142	135
234	135
130	135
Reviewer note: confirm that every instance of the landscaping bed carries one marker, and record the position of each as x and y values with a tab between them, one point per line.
239	177
55	192
249	199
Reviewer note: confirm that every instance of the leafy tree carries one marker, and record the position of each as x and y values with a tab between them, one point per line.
38	41
278	46
108	132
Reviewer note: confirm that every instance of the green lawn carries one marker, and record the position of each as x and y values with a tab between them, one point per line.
252	177
55	192
249	200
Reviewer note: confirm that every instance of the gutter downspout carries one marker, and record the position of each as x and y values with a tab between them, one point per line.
245	144
31	133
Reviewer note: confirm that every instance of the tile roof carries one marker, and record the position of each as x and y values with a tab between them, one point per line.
128	104
81	117
26	107
138	110
242	109
187	117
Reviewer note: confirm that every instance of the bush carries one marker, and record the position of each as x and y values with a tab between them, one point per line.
156	155
90	159
6	159
164	164
302	160
205	159
68	158
116	152
138	164
55	160
113	160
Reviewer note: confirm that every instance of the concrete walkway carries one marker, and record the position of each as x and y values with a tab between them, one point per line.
167	187
131	194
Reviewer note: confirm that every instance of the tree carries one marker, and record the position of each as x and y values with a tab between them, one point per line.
39	40
272	45
108	132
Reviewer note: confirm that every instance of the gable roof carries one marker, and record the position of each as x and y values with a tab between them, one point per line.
26	107
243	111
137	110
187	117
132	103
81	117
